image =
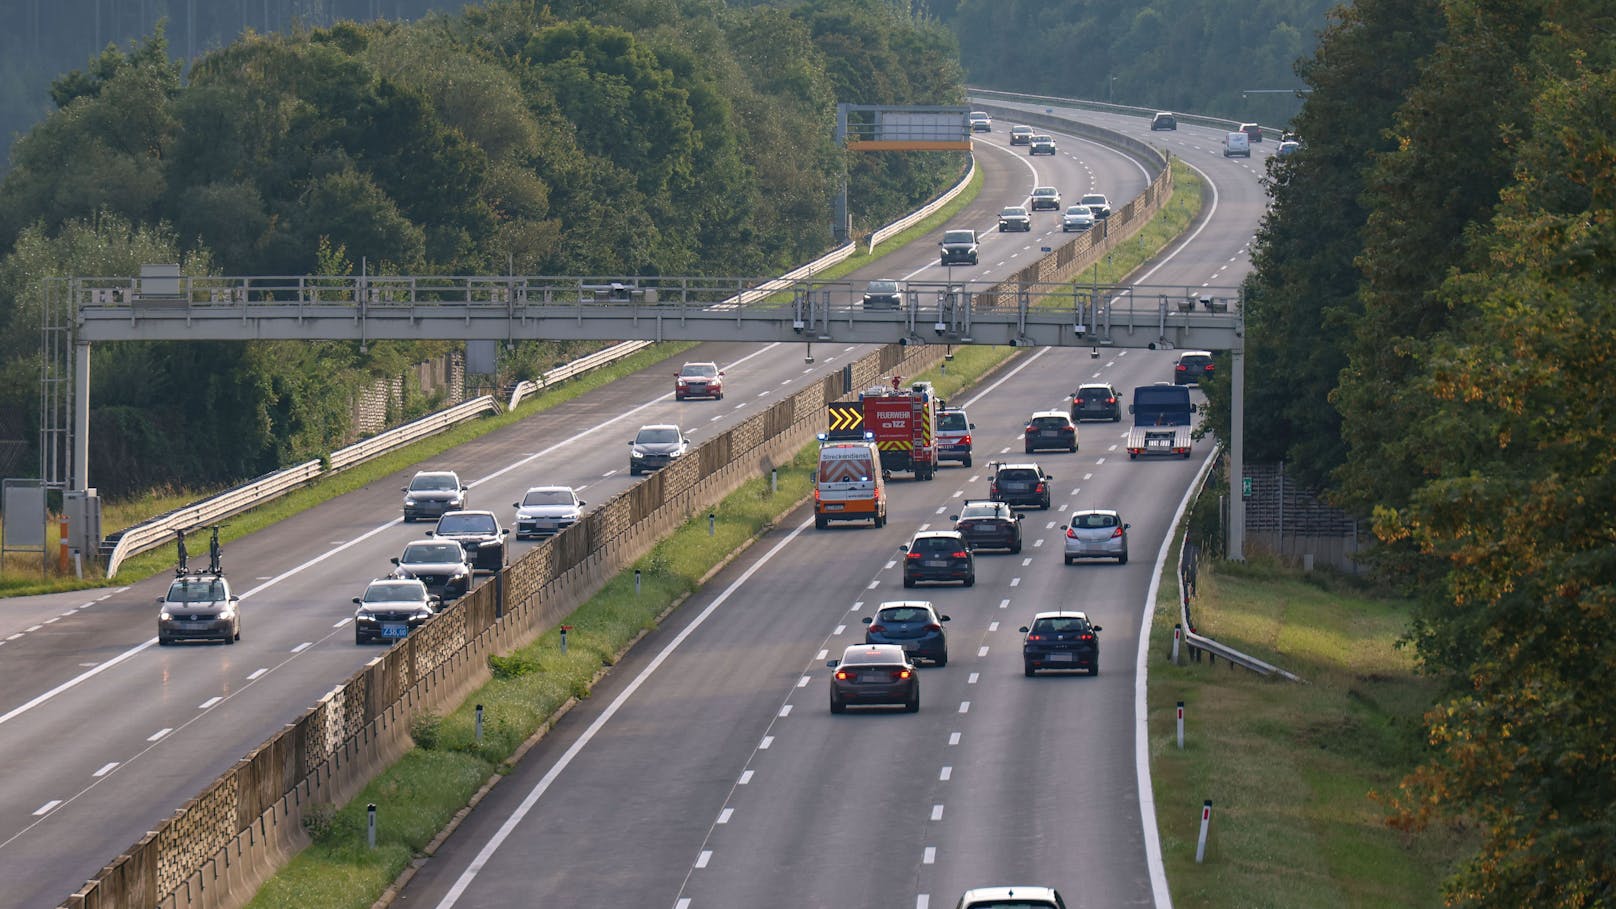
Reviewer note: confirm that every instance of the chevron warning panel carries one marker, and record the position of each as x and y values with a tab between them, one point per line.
845	416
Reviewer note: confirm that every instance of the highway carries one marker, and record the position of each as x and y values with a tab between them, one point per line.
103	734
707	770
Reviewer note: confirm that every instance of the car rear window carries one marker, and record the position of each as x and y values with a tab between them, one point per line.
951	420
904	614
1051	422
1018	475
1095	521
1060	625
935	544
971	512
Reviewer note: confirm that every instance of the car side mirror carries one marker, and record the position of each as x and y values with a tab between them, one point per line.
357	600
1049	476
1023	629
720	373
582	503
1126	525
867	620
465	489
1096	628
394	561
1020	516
516	504
903	547
403	489
234	598
158	600
833	663
431	533
944	618
954	518
631	441
971	425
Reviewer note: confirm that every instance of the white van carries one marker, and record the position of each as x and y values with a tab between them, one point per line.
1237	143
849	485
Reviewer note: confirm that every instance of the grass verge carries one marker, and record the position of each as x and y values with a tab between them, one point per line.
22	582
1292	769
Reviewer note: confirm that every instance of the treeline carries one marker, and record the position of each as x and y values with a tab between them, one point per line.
1188	55
1431	332
572	137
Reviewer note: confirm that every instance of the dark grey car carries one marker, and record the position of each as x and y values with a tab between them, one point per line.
656	446
874	674
442	565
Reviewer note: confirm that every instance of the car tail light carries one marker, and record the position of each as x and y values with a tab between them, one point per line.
993	490
1030	430
1038	488
1035	637
1210	367
878	628
1078	401
961	554
1181	367
965	439
912	555
934	627
843	675
1085	636
1071	533
1068	429
1116	533
1110	400
902	674
816	493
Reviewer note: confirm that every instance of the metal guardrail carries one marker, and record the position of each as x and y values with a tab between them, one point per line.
1188	570
916	217
577	367
432	423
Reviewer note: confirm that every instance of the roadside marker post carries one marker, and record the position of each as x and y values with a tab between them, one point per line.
480	726
1206	821
370	824
1180	726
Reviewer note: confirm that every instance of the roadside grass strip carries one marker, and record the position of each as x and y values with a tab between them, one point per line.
1294	771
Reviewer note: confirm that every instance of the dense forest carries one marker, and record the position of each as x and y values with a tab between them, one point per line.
1430	324
581	137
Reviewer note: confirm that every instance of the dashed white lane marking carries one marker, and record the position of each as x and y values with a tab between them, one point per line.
1015	582
767	741
1004	604
1112	448
993	626
982	651
946	772
1037	543
209	702
336	542
973	678
1004	451
965	707
13	637
975	478
47	807
608	473
725	815
953	738
105	769
929	857
808	370
803	682
764	393
746	777
1051	525
34	628
265	577
787	381
53	620
925	527
705	857
785	710
1089	476
740	405
1099	460
937	812
847	349
839	630
958	493
891	565
343	622
252	676
823	654
942	509
159	734
75	609
1025	562
874	584
684	903
303	646
923	901
715	418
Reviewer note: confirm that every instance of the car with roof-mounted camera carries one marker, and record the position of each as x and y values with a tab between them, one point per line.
989	525
1018	897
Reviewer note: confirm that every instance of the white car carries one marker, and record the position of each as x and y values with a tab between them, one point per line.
1097	203
546	510
981	122
1078	218
1019	897
1045	198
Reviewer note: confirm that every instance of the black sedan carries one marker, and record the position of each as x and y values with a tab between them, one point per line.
874	674
913	625
1060	640
989	525
479	533
938	555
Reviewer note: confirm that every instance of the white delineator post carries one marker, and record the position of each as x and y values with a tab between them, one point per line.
1206	821
1181	729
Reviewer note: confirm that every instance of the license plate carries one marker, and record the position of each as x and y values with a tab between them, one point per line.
834	507
395	631
1158	443
873	677
1060	658
1049	433
910	648
935	564
1016	487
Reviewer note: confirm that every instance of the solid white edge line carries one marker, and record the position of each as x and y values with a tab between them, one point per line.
1141	712
543	785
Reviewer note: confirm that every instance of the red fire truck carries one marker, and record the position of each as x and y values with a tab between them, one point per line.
901	421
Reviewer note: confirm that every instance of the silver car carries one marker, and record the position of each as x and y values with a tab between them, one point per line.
1097	533
546	510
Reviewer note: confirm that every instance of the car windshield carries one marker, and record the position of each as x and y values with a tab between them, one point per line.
1079	211
883	287
466	523
1045	191
951	420
1095	521
657	436
1060	624
392	593
1094	199
418	553
196	591
1042	139
433	483
1094	391
1013	212
958	236
548	497
979	511
904	614
699	369
979	115
1197	362
1021	475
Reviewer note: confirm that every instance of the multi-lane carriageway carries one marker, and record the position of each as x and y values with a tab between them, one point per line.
706	770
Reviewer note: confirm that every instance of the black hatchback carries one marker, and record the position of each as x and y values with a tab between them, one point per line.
1060	640
1020	484
1097	401
938	555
